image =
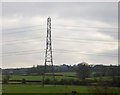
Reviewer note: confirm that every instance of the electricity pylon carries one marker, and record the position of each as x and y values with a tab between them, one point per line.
48	52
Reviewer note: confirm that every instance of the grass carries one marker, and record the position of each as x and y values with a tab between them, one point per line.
35	88
20	77
66	75
20	88
108	78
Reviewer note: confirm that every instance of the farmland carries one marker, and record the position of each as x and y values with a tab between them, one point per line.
38	88
63	75
19	88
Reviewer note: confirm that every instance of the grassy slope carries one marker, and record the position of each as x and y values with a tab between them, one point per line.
19	88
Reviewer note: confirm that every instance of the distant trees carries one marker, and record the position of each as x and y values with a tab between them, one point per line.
95	70
112	71
100	70
83	70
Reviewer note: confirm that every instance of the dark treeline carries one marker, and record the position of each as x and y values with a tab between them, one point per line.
93	70
83	71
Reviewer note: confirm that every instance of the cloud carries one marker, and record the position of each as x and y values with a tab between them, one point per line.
82	31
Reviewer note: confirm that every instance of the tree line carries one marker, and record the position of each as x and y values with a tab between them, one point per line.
83	70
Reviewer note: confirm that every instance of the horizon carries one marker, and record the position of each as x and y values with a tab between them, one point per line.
60	65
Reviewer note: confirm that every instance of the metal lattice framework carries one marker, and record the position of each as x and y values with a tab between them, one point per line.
48	52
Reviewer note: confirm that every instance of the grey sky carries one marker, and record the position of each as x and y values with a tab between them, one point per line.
80	32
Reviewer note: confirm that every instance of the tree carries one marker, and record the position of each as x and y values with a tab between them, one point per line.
23	81
83	70
6	78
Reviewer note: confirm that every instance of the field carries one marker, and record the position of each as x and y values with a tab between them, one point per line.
20	88
66	75
38	88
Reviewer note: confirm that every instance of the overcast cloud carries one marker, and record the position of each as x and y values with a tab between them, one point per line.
80	32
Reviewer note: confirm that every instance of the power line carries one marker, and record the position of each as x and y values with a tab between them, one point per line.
23	39
74	39
22	52
87	26
81	30
15	32
56	51
63	26
22	27
56	29
20	40
18	31
60	38
71	51
81	41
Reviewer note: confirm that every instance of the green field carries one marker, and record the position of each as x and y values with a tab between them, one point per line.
18	77
108	78
66	75
20	88
38	88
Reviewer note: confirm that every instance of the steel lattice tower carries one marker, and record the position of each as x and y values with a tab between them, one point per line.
48	52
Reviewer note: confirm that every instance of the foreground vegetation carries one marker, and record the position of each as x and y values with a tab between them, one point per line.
20	88
82	78
62	78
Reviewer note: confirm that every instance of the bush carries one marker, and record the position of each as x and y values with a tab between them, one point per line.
116	81
6	79
23	81
47	81
73	82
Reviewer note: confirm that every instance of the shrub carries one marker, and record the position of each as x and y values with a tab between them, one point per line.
6	79
23	81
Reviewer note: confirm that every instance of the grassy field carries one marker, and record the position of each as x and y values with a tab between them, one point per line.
38	88
20	88
108	78
66	75
18	77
